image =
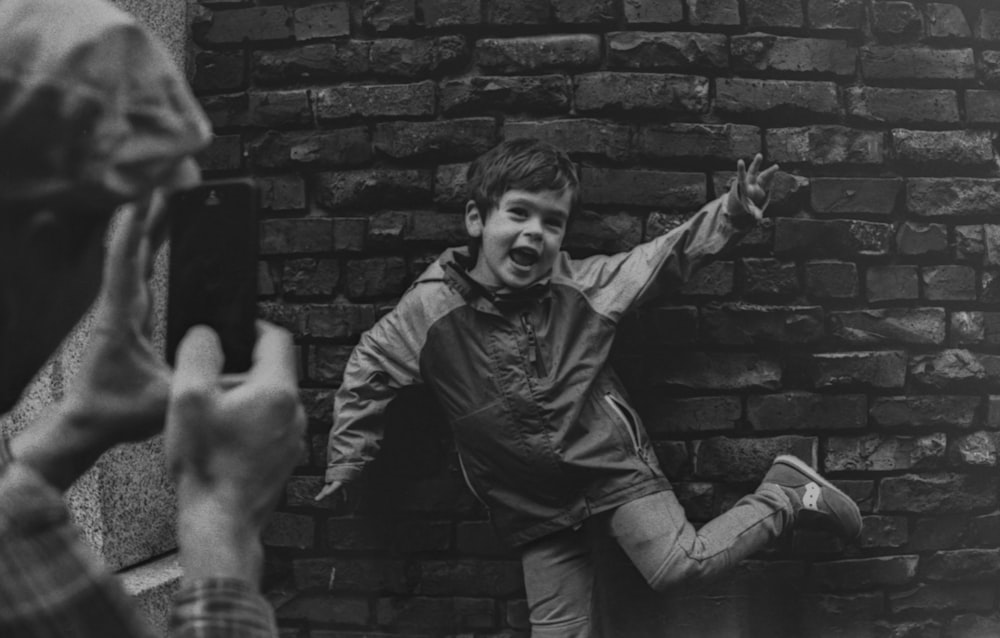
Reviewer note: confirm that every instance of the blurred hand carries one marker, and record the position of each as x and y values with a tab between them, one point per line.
231	449
749	192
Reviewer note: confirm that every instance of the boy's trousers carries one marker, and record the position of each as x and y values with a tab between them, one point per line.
562	572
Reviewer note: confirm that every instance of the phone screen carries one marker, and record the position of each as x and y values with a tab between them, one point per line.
213	267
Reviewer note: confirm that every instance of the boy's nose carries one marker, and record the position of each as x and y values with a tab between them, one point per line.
532	227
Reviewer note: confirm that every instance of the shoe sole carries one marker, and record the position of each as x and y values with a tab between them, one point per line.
814	476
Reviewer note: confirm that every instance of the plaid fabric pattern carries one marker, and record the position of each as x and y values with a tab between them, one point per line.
52	586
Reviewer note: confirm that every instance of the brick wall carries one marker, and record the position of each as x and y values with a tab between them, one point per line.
858	329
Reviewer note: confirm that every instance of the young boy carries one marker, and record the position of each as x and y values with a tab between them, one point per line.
513	337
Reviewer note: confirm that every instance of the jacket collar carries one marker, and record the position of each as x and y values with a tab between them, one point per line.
456	267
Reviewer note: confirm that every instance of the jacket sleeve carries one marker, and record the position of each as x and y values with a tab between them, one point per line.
386	359
617	283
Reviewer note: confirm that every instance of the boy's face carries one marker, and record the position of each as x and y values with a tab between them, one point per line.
520	237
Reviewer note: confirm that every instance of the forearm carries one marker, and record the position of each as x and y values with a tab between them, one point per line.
214	542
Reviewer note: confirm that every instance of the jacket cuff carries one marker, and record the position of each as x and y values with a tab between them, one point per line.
343	473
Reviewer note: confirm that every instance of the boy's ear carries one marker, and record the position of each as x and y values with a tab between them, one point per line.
473	219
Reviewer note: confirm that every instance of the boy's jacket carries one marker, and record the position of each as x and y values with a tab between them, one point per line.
543	427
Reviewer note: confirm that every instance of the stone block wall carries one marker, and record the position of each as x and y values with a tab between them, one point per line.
859	328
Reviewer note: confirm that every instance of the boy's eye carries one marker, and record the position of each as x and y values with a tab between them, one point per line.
518	212
555	222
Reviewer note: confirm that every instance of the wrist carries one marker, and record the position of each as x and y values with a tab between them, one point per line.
60	445
216	542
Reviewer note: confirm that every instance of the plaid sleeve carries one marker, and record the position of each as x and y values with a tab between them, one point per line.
221	608
50	583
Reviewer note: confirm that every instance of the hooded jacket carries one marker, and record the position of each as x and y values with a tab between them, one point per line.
544	430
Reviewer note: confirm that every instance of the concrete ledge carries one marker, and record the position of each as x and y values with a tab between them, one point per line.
153	586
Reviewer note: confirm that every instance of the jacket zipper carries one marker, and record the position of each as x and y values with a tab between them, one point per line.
629	424
534	348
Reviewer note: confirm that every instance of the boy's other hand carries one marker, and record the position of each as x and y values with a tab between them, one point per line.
231	449
329	489
749	192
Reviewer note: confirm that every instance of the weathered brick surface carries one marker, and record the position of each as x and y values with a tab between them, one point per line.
856	328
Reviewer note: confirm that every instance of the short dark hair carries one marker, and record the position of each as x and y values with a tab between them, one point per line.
523	164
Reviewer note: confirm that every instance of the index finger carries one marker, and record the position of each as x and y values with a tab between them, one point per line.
755	166
199	360
274	360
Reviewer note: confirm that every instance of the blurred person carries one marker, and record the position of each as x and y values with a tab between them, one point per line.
94	117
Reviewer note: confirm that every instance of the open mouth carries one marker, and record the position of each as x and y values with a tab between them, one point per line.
525	257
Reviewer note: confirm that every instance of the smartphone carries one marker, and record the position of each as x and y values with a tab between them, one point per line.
213	267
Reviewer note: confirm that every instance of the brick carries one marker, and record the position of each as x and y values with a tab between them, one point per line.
559	52
875	453
312	63
748	96
712	12
307	277
941	597
989	25
728	142
765	52
450	187
989	291
889	325
718	371
225	111
866	573
804	410
838	238
885	283
319	149
375	188
948	283
990	67
916	63
470	577
877	370
328	20
338	320
324	608
387	15
894	18
960	148
375	277
295	235
289	530
825	145
578	136
573	12
434	615
903	106
351	575
450	13
517	12
541	94
449	140
982	107
224	153
327	363
318	404
646	50
922	239
978	449
420	58
768	278
970	243
831	279
375	100
883	532
280	108
925	411
217	71
956	531
736	460
937	493
946	21
836	14
641	91
431	226
940	197
282	192
479	538
774	13
349	234
233	26
683	191
595	232
655	11
665	415
682	322
852	195
743	324
715	280
973	626
948	369
967	328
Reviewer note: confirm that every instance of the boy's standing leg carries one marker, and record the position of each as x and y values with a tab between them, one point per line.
559	582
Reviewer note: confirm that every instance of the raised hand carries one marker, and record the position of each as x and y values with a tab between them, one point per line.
750	190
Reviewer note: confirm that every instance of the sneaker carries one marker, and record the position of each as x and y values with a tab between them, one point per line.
817	503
